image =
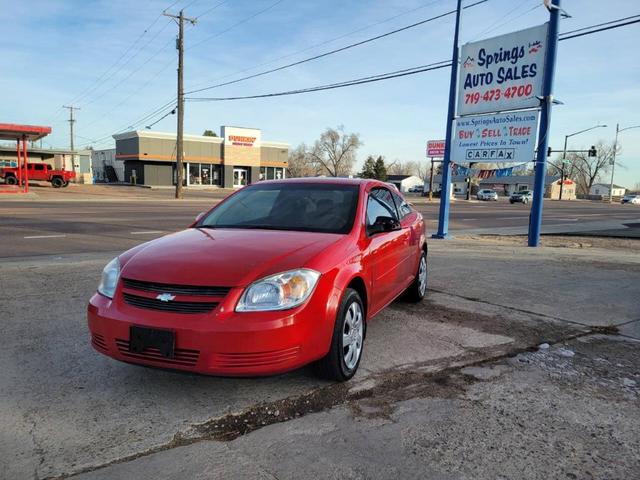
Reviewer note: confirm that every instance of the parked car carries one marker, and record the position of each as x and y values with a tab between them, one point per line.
280	274
633	199
487	194
38	171
524	196
416	189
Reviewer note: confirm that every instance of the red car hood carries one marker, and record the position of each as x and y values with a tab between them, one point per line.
222	257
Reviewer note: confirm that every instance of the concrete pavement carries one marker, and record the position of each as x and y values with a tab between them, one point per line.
537	415
67	409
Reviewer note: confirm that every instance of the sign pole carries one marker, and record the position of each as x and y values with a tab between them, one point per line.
445	189
535	222
431	182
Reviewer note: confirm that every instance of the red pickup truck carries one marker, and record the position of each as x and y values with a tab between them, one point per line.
39	171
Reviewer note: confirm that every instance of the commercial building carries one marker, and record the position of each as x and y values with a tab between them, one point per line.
236	158
106	168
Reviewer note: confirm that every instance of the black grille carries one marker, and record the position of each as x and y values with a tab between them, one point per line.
172	306
98	342
175	289
181	356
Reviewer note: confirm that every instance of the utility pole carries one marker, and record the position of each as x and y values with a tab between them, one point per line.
613	159
180	19
71	122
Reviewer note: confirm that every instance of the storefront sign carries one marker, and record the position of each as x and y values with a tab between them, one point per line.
435	148
504	137
502	73
241	137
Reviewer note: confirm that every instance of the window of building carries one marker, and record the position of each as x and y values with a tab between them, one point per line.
271	173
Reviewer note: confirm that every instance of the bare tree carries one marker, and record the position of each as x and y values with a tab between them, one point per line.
586	170
335	151
300	163
403	168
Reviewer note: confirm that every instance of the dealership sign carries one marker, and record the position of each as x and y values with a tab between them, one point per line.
502	73
435	148
504	137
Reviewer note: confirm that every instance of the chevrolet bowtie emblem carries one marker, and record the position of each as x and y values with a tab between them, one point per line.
165	297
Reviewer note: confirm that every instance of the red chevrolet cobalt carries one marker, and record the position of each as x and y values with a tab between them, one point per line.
278	275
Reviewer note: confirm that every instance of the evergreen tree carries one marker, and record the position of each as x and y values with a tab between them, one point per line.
368	169
380	169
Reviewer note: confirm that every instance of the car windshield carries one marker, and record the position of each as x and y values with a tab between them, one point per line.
326	208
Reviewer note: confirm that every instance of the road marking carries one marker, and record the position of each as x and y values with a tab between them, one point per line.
46	236
146	232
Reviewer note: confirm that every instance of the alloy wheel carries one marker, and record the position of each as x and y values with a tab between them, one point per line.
352	335
422	276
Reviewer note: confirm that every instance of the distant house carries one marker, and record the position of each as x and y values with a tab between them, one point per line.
458	184
518	183
601	190
404	182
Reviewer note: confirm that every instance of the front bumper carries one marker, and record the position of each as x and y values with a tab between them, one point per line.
221	342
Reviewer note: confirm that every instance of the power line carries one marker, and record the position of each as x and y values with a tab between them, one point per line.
337	50
244	20
325	42
385	76
209	10
388	75
602	29
172	112
100	80
347	83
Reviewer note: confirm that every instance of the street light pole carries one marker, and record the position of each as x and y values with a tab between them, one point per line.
613	160
564	153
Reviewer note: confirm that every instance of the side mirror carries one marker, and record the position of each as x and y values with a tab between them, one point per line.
383	224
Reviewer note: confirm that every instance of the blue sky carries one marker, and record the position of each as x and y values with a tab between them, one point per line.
55	50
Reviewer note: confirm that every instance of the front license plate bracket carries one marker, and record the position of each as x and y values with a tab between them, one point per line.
141	338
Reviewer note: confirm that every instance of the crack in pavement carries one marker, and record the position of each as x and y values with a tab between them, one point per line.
528	312
423	379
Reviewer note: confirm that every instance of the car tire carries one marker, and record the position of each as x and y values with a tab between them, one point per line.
66	184
418	288
57	182
11	180
342	361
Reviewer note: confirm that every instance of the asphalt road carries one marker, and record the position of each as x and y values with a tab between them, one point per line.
68	221
67	409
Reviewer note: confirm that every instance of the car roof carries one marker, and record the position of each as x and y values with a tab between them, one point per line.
328	180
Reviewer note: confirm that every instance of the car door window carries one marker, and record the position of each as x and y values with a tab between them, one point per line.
404	208
380	204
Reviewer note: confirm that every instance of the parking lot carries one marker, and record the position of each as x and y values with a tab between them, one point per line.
68	411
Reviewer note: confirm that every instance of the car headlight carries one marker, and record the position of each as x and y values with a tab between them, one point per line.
109	280
279	292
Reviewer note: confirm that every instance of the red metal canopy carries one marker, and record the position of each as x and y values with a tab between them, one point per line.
12	131
19	183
